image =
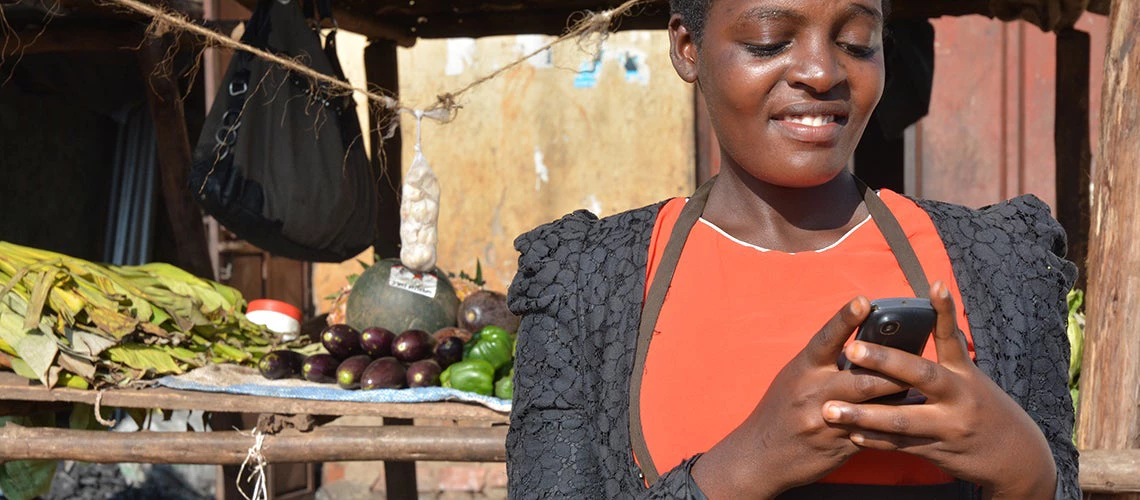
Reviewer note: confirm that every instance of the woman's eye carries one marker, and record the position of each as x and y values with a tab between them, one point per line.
767	49
860	51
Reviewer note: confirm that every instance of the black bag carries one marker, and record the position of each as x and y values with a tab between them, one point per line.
280	161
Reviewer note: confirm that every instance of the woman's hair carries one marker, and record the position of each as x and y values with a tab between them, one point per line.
694	12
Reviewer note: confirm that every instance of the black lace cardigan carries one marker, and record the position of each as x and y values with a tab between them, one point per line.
579	289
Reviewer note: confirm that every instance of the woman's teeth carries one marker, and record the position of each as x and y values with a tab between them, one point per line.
811	121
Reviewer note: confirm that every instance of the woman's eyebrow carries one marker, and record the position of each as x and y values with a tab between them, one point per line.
759	14
857	9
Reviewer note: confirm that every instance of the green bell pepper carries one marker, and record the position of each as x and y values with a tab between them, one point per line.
505	387
471	375
492	344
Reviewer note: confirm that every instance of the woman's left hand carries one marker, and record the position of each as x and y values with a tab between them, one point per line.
968	426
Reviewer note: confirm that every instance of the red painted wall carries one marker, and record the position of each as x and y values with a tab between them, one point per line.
989	134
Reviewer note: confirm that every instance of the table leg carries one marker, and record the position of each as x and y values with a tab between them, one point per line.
400	477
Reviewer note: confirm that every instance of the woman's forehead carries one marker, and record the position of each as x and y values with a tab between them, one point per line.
764	10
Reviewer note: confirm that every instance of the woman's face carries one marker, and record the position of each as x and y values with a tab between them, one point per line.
790	84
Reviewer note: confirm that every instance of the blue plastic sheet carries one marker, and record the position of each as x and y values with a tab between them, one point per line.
232	379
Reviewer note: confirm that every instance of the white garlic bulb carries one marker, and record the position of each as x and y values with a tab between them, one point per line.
419	216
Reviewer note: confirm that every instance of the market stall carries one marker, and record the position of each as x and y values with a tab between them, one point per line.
295	424
298	430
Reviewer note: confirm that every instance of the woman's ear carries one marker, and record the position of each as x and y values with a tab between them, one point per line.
682	49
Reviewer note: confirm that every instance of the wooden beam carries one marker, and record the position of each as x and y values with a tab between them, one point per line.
1071	143
707	147
1101	7
111	35
16	388
1110	471
1110	380
327	444
537	21
87	38
374	27
165	102
432	19
382	71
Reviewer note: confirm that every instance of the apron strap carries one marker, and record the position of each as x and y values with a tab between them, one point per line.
896	239
886	222
649	313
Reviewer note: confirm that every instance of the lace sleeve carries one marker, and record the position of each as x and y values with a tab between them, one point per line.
1009	263
548	444
1047	398
553	445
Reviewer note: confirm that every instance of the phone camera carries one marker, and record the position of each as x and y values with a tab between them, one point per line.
889	328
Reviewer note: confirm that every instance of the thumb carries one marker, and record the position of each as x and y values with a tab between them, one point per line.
825	346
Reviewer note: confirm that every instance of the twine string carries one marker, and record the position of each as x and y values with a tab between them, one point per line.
593	24
257	463
99	411
419	128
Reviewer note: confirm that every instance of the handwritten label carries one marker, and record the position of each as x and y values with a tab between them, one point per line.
404	279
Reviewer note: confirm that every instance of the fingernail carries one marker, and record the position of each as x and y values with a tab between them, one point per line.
857	438
833	412
943	291
857	352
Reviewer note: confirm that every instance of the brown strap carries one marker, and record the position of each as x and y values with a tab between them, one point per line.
896	239
886	222
649	313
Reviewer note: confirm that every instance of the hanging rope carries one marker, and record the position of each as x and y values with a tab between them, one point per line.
593	26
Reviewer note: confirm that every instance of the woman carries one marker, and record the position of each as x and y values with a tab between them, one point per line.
726	385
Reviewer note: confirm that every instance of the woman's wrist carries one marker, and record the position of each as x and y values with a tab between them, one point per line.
1040	485
721	473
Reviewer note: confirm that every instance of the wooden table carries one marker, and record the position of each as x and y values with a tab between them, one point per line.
455	432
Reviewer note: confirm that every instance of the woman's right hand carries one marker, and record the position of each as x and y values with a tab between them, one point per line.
785	441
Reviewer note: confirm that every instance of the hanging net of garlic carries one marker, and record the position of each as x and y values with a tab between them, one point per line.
419	211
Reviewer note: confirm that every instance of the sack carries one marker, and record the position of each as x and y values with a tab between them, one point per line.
280	161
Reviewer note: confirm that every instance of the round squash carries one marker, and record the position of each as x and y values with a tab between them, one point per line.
391	296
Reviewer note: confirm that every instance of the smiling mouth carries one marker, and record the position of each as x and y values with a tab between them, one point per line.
814	120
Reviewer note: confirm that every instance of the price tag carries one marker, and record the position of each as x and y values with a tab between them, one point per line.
405	279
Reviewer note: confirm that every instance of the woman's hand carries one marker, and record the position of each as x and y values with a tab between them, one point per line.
968	426
785	442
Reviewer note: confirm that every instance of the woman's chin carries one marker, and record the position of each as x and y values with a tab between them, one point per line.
798	175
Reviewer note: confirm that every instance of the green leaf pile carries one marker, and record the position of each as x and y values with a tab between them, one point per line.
1076	334
67	321
27	479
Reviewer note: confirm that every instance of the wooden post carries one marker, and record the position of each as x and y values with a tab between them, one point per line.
1071	144
381	69
174	159
400	477
1110	382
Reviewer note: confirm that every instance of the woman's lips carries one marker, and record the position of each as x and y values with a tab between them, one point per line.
817	129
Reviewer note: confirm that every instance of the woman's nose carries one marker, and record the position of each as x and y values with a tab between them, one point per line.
816	67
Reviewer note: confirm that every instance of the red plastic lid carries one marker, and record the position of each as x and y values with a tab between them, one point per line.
275	306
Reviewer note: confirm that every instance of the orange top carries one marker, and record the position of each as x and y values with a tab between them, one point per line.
735	314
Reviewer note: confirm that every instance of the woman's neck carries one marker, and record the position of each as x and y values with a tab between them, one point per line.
782	218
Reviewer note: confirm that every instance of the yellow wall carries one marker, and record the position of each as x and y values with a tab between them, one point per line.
541	140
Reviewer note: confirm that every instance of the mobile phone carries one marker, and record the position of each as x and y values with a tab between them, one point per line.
899	323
